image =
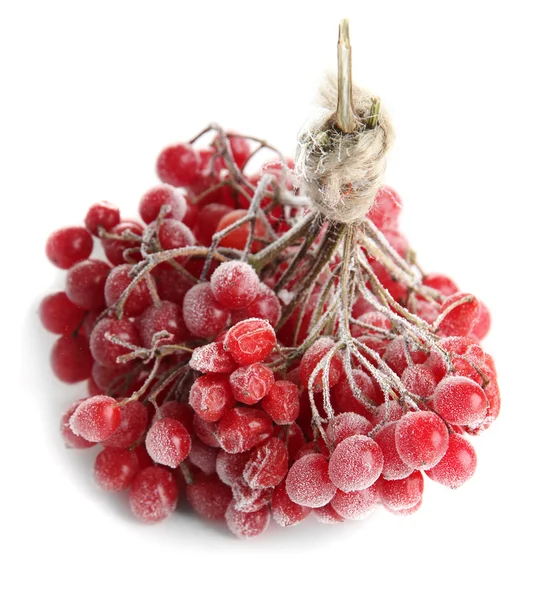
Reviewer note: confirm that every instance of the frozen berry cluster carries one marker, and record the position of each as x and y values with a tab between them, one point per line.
239	347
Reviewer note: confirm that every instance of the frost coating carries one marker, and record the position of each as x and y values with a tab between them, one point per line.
308	482
167	442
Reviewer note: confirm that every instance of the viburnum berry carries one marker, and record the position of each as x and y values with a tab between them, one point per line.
243	428
115	468
102	214
238	237
68	246
71	359
419	380
178	165
327	515
230	467
386	208
212	358
268	464
440	282
460	401
282	402
421	439
357	504
355	464
209	497
153	494
175	234
211	397
104	350
460	319
116	245
308	481
285	512
204	316
345	425
96	418
265	306
117	281
235	284
393	466
162	195
458	464
59	315
248	499
133	423
329	375
207	432
163	316
69	437
251	383
401	494
247	524
203	456
85	284
168	442
250	341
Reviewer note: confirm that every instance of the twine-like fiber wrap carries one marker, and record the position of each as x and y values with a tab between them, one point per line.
341	172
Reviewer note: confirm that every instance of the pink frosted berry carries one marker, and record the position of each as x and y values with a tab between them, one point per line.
356	505
153	494
133	423
282	402
356	463
212	358
230	467
209	497
159	196
421	439
402	494
268	464
247	525
235	284
308	482
458	464
251	383
243	428
211	397
249	499
327	515
345	425
460	401
419	380
203	456
461	319
115	468
204	316
285	512
69	437
250	341
393	465
168	442
96	418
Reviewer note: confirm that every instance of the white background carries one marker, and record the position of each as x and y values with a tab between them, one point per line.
91	92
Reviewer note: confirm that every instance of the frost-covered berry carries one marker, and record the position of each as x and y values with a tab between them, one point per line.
209	497
247	524
96	418
460	401
212	358
159	196
251	383
168	442
133	423
115	468
402	494
355	464
106	351
235	284
68	246
153	494
204	316
308	481
230	467
243	428
211	397
345	425
357	504
69	437
421	439
310	361
282	402
116	283
250	341
285	512
268	464
458	464
393	465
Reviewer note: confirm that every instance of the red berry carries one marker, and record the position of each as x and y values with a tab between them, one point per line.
117	281
168	442
460	401
172	285
71	359
355	464
397	353
308	482
174	234
247	524
393	465
153	494
133	423
421	439
230	467
458	464
212	358
439	282
115	468
386	208
285	512
419	380
243	428
96	418
265	306
106	351
207	222
204	316
178	165
69	437
209	497
238	237
207	432
327	515
282	402
482	325
235	284
345	425
357	504
310	360
102	214
268	464
115	248
461	319
211	397
85	284
240	149
203	456
248	499
68	246
402	494
165	316
373	319
59	315
251	383
162	195
250	341
345	400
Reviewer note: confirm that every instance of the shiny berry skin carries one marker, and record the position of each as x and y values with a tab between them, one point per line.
178	165
312	358
105	351
212	358
250	341
251	383
69	437
153	494
211	397
168	442
308	482
460	320
238	237
85	284
68	246
393	465
117	282
204	316
235	284
421	439
209	497
265	306
355	464
165	316
133	423
246	525
162	195
282	402
243	428
96	418
268	464
115	468
401	494
71	359
59	315
174	234
114	249
458	464
357	504
102	214
285	512
460	401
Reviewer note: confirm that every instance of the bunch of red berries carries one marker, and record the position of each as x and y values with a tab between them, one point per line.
268	360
